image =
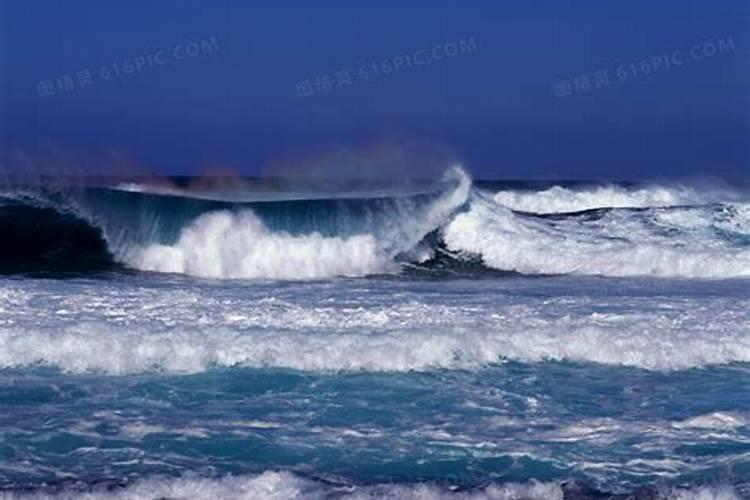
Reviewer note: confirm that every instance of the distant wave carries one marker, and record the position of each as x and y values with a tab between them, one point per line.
558	199
455	228
136	187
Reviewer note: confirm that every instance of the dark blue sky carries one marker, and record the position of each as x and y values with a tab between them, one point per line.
513	89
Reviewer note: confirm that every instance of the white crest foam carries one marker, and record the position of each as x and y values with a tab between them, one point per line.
284	486
620	244
238	245
274	485
396	339
558	199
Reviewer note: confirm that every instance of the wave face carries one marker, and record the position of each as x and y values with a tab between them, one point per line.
453	228
39	237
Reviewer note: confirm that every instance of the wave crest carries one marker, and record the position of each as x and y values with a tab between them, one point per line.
558	199
609	243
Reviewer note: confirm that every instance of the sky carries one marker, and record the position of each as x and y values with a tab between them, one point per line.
512	89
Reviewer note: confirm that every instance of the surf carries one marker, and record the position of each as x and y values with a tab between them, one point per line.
702	241
452	229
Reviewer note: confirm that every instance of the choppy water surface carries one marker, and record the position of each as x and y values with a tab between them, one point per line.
550	343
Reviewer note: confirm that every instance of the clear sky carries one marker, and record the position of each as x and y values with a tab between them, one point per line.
512	88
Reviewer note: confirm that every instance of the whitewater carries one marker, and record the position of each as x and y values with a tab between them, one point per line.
606	230
463	339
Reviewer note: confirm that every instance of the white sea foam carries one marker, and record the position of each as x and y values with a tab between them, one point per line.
714	421
183	326
732	217
391	338
286	486
238	245
620	244
700	493
562	200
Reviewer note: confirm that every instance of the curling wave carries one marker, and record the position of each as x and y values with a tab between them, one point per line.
455	228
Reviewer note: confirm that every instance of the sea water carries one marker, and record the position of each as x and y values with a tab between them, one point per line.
468	341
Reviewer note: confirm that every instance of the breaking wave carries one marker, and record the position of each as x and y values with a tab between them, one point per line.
454	227
706	241
183	331
238	245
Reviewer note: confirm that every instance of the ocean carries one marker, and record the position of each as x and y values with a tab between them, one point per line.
452	339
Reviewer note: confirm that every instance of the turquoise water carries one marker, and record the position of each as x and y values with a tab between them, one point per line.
613	385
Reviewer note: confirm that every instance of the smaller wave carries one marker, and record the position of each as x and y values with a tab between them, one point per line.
562	200
683	242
